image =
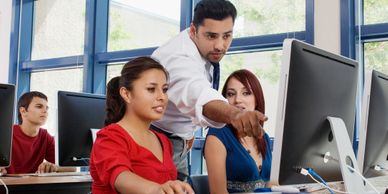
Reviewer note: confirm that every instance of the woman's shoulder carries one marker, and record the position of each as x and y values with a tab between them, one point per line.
112	130
226	130
113	134
111	127
267	138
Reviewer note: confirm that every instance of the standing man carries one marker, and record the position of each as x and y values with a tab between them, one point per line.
191	58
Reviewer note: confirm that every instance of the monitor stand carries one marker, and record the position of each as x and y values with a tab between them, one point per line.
353	182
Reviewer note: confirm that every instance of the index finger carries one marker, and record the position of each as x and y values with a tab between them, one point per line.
261	116
257	128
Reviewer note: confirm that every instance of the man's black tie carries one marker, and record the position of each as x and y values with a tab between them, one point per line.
216	75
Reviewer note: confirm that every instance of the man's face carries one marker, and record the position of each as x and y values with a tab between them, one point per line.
213	38
36	113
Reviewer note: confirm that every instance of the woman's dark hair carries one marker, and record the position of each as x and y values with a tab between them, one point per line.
115	105
249	80
25	101
213	9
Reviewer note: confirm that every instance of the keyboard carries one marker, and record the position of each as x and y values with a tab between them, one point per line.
51	174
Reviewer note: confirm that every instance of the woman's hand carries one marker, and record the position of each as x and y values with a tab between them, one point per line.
176	187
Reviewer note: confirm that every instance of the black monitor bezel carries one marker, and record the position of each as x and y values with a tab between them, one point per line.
7	106
70	145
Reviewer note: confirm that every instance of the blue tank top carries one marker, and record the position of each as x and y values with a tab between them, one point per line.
242	173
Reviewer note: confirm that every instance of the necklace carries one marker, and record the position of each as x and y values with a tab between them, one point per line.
257	157
246	146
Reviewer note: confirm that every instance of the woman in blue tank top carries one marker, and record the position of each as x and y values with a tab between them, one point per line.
238	164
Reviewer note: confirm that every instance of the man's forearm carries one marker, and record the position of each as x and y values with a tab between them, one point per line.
247	123
219	111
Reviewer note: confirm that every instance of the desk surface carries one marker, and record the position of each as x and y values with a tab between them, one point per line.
25	180
59	184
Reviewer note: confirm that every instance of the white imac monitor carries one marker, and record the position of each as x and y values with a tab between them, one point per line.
314	85
373	144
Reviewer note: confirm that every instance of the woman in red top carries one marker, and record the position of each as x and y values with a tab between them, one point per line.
127	156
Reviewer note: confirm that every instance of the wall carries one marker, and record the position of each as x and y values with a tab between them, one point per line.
5	35
327	25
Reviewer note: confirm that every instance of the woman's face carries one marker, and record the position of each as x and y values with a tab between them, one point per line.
239	96
148	98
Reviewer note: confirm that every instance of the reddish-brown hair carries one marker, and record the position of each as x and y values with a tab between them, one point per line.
250	81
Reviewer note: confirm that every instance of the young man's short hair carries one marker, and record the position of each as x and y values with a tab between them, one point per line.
213	9
25	101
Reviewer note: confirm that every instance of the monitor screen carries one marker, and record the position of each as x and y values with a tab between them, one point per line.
373	146
314	84
7	105
78	113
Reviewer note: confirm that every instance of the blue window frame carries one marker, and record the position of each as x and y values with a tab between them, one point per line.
354	33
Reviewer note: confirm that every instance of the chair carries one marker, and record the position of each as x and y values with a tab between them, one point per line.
200	184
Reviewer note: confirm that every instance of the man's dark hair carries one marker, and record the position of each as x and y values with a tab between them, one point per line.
213	9
25	101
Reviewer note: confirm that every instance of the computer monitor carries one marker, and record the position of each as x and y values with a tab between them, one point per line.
314	84
7	105
373	139
78	113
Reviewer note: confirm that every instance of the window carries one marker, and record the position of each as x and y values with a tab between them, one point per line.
113	71
49	83
364	34
375	29
142	23
375	56
375	11
261	17
58	28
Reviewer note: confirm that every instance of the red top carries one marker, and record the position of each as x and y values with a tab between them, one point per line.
28	152
115	152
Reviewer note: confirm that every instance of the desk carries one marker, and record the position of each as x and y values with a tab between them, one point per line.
380	183
43	185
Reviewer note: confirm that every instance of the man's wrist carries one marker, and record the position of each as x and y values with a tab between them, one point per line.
232	114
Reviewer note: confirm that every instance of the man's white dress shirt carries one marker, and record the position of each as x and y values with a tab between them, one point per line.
190	87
